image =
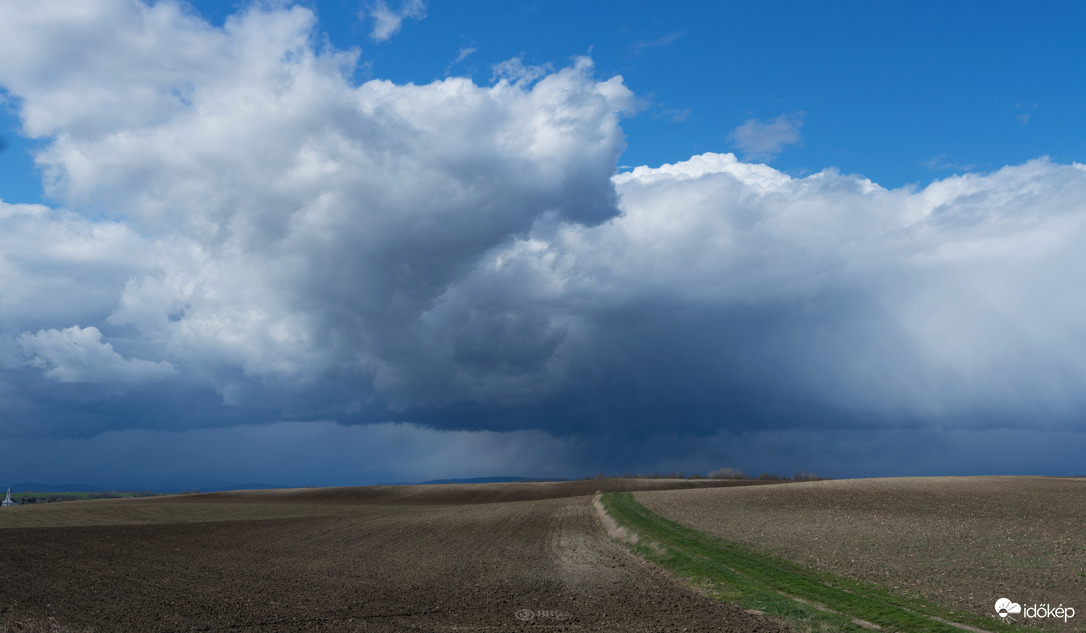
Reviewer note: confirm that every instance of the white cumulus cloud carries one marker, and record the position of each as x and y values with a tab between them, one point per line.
289	224
78	354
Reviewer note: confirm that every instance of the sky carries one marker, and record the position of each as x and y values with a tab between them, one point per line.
349	242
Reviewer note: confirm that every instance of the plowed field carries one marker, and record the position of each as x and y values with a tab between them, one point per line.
426	558
961	542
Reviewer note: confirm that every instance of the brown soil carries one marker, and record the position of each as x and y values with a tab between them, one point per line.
298	502
433	558
960	542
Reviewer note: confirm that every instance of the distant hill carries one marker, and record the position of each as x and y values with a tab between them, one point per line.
40	487
484	480
249	487
36	487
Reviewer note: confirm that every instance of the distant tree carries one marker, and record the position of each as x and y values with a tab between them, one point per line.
727	473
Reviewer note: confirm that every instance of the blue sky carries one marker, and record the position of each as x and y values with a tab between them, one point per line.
408	240
899	93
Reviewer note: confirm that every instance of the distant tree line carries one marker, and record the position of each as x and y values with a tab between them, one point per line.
53	497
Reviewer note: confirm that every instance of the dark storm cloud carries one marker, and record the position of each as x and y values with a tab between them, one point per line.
731	296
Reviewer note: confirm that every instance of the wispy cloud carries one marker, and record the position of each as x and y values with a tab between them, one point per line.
465	52
675	115
764	139
387	21
640	45
1025	112
515	72
940	163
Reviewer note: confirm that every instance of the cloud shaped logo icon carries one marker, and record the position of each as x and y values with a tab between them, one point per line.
1005	607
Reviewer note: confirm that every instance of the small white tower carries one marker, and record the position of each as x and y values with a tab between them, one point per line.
7	500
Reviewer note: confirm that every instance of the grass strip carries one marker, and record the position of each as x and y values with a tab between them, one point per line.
737	574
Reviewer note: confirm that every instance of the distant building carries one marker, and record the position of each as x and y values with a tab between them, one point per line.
8	501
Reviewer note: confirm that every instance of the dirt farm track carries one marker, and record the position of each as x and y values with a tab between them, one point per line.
485	557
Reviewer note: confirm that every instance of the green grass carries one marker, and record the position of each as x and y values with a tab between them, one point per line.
740	575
